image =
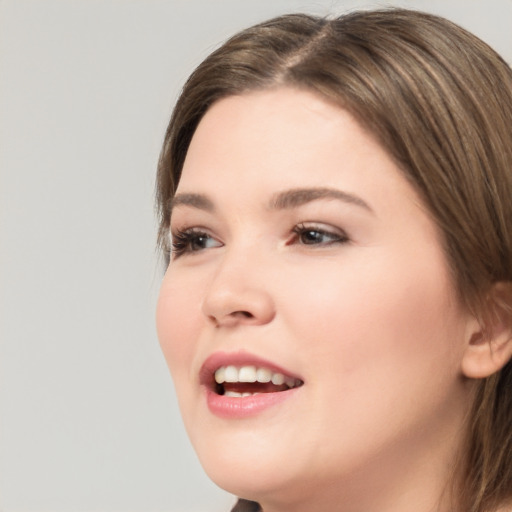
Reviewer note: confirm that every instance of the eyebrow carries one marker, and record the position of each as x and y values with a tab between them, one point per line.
199	201
299	196
282	201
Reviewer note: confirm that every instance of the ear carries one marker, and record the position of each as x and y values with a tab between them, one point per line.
489	345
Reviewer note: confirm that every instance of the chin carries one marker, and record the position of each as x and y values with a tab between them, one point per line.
260	486
249	468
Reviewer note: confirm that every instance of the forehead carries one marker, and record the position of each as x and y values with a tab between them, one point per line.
285	138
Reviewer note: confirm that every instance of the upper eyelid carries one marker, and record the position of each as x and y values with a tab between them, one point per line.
337	235
313	225
180	242
198	230
322	227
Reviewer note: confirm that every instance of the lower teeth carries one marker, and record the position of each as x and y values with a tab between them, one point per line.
238	395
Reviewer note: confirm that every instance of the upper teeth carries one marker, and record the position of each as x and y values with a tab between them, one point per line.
252	374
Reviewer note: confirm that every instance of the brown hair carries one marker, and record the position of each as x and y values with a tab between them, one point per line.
440	101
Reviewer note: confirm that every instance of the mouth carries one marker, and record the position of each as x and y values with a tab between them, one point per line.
243	381
242	385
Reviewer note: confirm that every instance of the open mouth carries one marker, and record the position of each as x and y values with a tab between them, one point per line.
242	381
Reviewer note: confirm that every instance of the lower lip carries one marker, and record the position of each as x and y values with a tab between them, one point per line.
245	406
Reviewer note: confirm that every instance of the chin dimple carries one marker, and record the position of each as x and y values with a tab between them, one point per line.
244	375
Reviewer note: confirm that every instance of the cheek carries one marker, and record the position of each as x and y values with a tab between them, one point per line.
177	325
376	338
378	311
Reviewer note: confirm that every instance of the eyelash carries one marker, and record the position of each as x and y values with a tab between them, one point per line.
183	240
301	230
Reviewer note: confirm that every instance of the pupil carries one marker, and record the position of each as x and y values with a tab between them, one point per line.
311	236
199	242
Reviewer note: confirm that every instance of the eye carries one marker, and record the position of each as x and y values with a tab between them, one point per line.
315	235
191	240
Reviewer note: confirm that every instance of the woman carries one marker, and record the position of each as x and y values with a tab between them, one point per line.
335	196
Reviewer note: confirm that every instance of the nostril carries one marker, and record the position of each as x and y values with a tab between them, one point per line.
246	307
232	318
228	302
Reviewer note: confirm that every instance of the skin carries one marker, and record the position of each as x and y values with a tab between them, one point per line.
366	313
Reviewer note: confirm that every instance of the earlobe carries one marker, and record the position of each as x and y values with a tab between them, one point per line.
489	346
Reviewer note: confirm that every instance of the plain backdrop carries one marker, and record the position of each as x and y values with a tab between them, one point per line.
88	417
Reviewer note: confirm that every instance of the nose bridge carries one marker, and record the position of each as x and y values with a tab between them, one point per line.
238	291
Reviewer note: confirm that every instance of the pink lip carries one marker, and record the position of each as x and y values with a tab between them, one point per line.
240	407
232	407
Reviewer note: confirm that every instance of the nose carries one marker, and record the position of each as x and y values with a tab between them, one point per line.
238	295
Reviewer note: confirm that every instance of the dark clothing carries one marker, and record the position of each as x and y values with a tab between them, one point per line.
246	506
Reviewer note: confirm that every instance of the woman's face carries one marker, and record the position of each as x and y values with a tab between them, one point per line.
302	254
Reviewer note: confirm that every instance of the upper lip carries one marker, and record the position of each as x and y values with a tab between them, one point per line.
240	358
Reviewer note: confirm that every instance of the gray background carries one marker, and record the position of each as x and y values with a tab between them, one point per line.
88	417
